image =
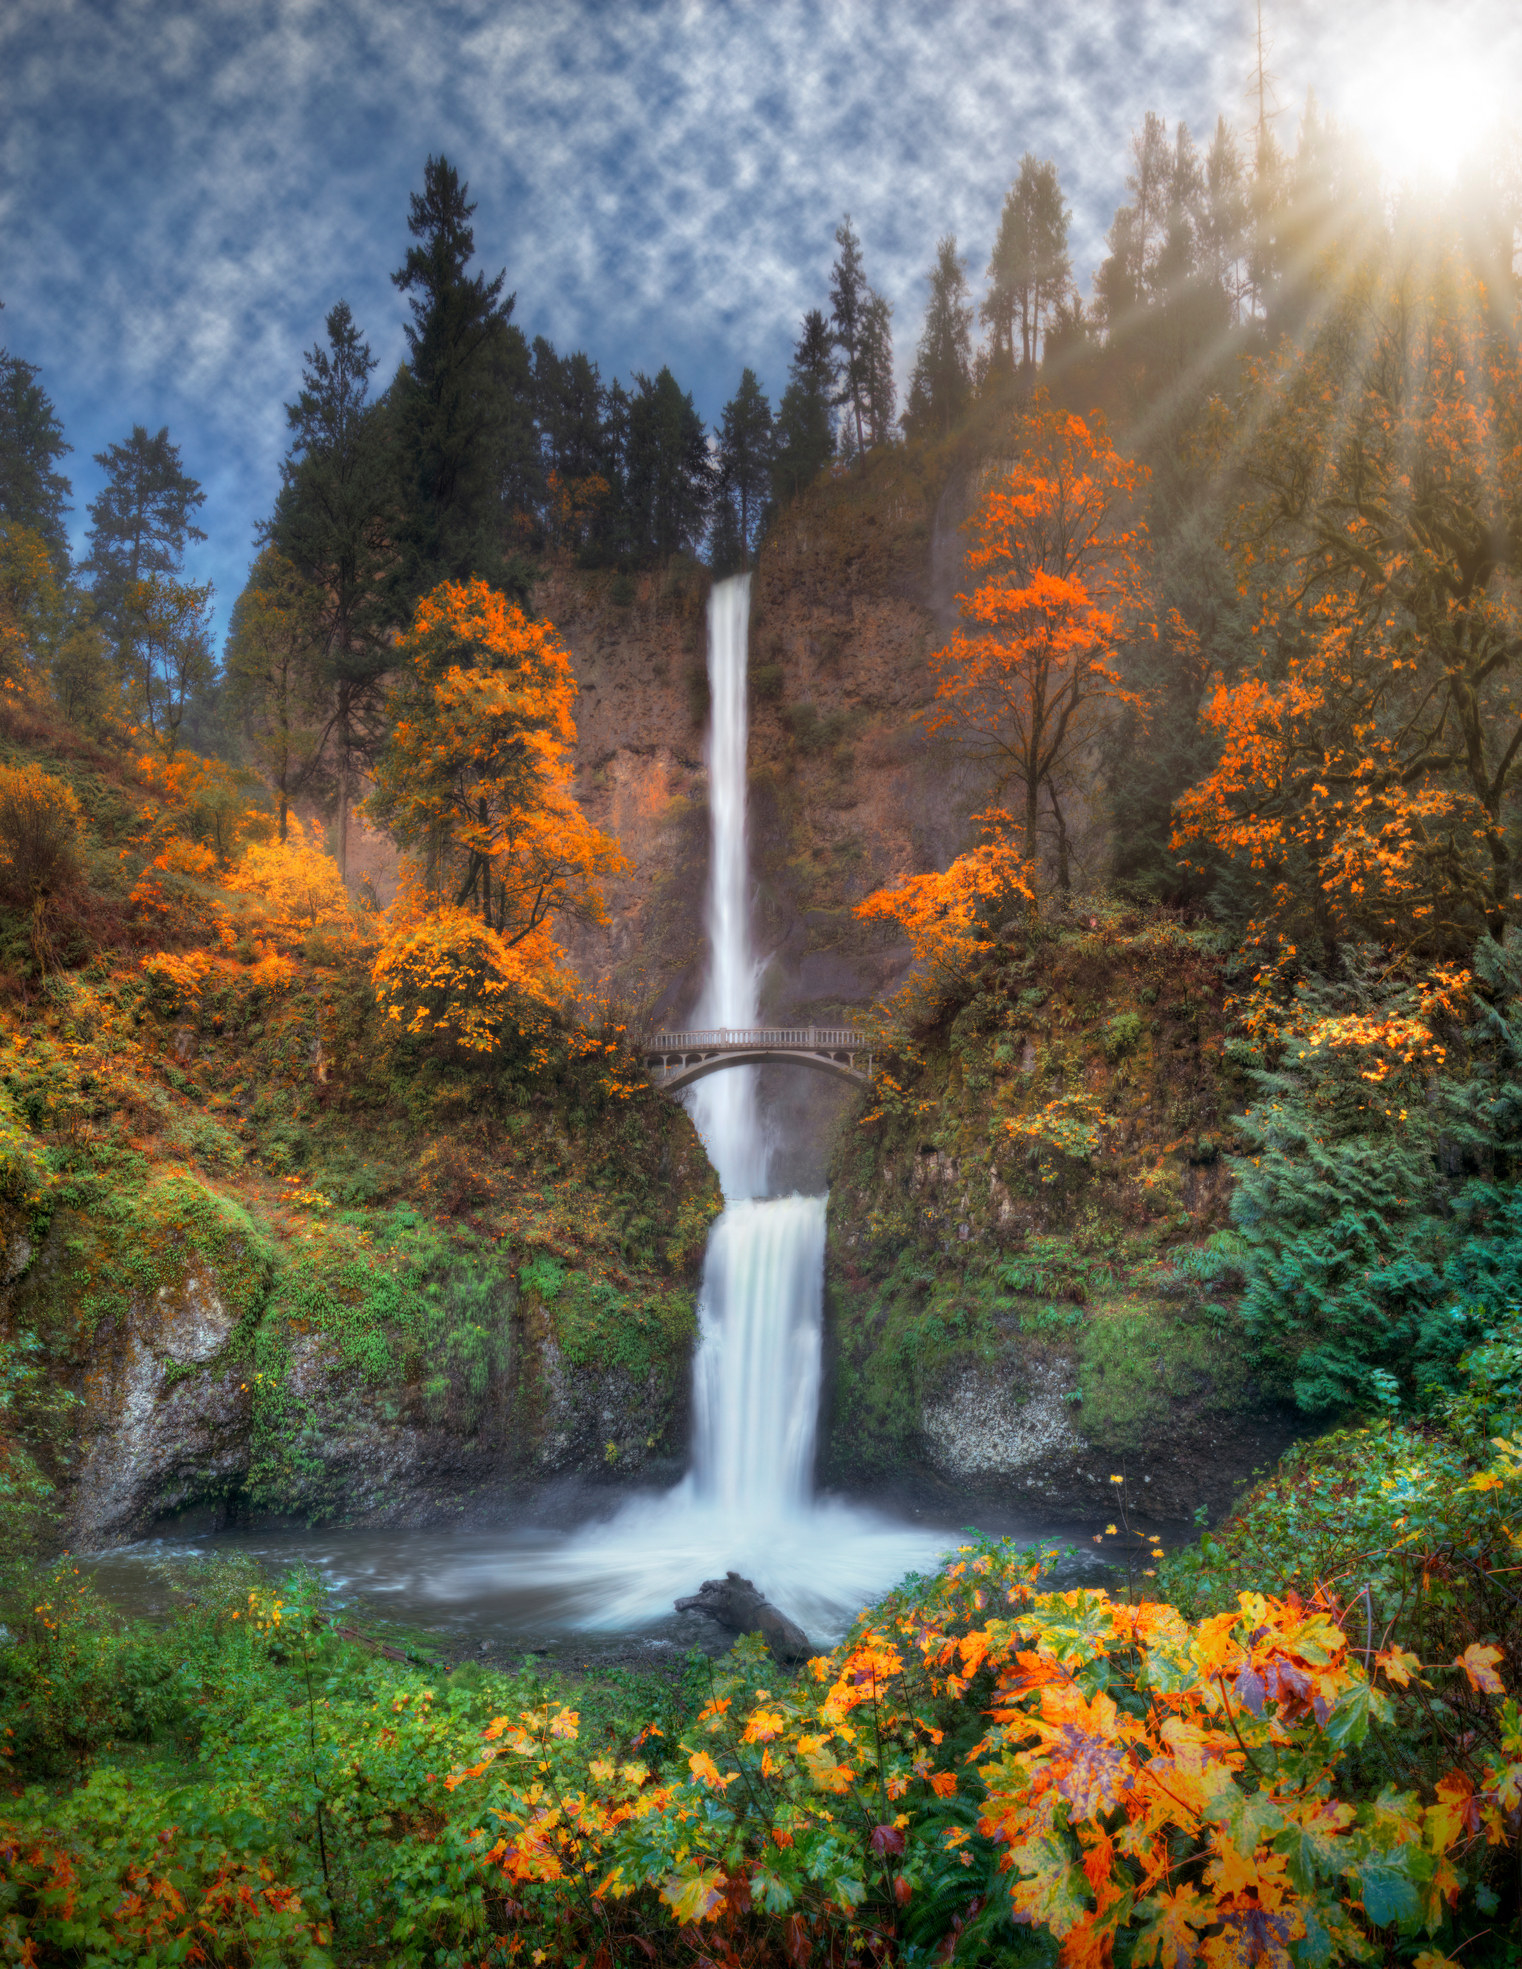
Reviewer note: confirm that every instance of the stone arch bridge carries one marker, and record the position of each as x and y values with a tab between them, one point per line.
675	1059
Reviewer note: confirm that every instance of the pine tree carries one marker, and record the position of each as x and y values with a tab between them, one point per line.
744	461
140	526
850	307
667	472
942	381
1029	271
880	388
1223	244
805	430
32	493
332	524
1150	185
465	436
569	405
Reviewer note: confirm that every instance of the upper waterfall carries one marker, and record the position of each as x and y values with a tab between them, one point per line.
723	1107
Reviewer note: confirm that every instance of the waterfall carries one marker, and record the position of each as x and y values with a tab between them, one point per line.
747	1501
723	1106
756	1377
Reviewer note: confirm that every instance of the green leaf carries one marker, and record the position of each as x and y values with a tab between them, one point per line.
1390	1895
1356	1708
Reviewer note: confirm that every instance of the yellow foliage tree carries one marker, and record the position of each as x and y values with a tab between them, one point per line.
451	978
1058	588
298	883
31	607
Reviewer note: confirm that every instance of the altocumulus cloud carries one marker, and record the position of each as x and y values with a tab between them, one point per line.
185	189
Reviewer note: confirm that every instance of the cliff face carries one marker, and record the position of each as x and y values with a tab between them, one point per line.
1024	1298
846	603
1030	1280
290	1268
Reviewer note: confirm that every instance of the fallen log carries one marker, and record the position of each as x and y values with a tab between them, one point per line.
737	1604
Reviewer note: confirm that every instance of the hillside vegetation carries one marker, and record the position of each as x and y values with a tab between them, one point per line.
287	1257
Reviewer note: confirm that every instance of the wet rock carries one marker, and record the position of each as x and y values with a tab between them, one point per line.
165	1421
737	1604
987	1423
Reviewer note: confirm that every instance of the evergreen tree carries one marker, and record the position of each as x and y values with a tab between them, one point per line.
140	526
879	386
465	438
32	493
745	453
667	472
613	529
805	431
332	525
1223	241
850	321
1183	224
569	406
942	381
1029	271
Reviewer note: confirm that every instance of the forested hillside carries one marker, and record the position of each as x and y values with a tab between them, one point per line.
1134	757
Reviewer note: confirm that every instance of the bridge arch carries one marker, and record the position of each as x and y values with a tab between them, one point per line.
676	1059
698	1067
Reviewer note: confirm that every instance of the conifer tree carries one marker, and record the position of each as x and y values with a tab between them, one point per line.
140	526
33	493
465	441
942	381
744	461
1223	239
569	406
667	472
881	390
1029	270
851	323
332	525
805	430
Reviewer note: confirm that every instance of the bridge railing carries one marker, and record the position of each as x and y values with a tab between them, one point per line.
810	1038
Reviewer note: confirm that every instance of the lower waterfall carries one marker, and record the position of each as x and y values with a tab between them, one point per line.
747	1502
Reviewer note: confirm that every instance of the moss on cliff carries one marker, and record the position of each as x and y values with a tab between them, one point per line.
1007	1216
248	1195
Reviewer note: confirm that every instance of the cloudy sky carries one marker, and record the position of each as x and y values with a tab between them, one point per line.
186	186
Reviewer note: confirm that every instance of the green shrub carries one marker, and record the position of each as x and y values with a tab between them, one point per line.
1378	1199
1121	1035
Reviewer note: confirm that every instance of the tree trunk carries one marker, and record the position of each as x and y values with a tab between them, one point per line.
343	783
1064	880
1032	798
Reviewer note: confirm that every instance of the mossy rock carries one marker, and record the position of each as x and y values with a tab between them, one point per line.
1136	1368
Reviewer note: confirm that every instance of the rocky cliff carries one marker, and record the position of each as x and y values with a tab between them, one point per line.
291	1270
1031	1286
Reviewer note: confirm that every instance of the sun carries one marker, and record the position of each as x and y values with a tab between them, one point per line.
1425	105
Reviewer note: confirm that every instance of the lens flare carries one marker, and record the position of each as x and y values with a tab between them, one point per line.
1425	106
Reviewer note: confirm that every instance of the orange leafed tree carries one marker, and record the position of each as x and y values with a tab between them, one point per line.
476	783
949	917
1371	749
1057	589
